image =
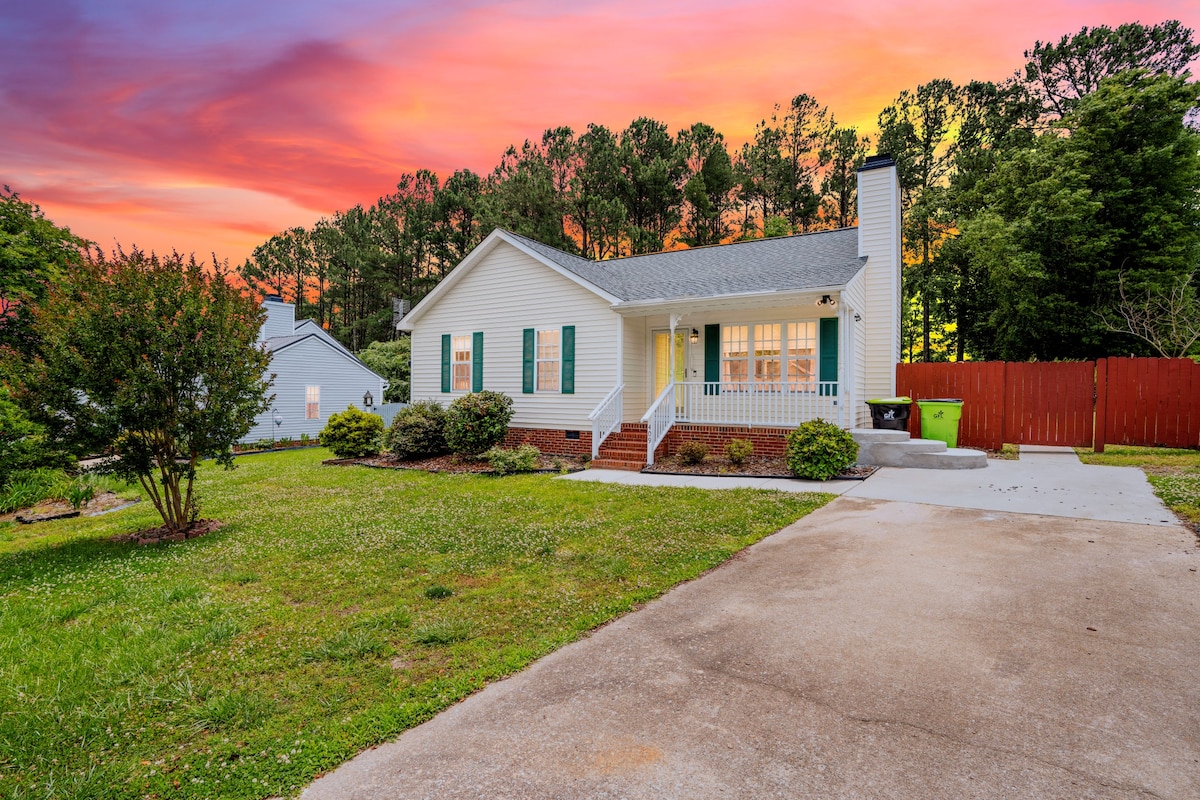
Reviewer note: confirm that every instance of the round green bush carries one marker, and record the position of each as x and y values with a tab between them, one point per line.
418	431
738	450
820	450
692	452
353	433
478	421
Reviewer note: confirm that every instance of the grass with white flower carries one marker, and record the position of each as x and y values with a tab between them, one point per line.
335	609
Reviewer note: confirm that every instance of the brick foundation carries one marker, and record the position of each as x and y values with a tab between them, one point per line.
767	441
550	441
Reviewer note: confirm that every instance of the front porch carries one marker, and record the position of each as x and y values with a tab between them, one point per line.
758	364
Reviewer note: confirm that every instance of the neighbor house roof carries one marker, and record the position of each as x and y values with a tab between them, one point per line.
806	261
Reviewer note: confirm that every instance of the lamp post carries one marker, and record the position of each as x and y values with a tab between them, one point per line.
368	401
277	418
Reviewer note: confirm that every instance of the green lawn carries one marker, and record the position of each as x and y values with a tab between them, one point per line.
246	662
1174	474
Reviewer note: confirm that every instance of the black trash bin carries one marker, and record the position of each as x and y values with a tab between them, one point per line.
890	413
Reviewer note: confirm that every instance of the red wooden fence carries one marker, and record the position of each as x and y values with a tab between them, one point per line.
1135	401
1148	401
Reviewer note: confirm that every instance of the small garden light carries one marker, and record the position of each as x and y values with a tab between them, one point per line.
368	400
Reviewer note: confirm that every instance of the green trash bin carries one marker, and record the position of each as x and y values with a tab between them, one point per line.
939	419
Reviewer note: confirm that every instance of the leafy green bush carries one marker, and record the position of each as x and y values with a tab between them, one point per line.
478	421
418	431
692	452
391	360
353	433
738	450
820	450
29	487
505	462
23	444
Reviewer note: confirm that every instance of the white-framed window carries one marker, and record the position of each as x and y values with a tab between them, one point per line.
770	356
312	402
460	364
548	360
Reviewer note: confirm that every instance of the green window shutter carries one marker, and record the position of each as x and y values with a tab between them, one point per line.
445	362
829	353
712	358
568	359
527	362
477	361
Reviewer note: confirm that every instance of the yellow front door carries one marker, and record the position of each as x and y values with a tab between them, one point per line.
662	362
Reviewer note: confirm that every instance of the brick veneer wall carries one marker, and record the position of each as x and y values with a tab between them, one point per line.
767	441
554	442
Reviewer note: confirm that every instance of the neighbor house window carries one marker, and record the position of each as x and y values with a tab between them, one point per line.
773	355
312	402
461	364
549	360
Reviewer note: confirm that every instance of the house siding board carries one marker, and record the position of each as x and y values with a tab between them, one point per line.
507	292
636	369
854	296
312	362
879	241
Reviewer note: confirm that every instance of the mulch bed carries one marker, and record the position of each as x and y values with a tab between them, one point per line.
458	464
752	467
163	534
61	509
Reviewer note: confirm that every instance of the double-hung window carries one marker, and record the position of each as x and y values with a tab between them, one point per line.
461	364
549	360
770	356
312	402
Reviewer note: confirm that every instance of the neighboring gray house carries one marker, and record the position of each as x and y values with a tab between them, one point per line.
315	376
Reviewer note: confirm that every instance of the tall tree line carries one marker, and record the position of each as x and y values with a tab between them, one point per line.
598	193
1027	203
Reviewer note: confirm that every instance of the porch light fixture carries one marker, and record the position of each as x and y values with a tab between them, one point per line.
695	337
826	300
368	400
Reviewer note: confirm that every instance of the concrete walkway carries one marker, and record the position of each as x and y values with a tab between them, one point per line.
1046	480
874	649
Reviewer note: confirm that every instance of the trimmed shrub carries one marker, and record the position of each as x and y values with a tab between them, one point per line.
820	450
522	459
738	450
477	422
353	433
692	452
418	431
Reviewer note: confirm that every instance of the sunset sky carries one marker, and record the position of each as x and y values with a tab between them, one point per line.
211	124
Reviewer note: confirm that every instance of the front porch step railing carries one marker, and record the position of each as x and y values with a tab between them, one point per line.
757	403
606	417
659	419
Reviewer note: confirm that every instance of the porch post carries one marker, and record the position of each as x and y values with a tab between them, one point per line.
843	363
674	321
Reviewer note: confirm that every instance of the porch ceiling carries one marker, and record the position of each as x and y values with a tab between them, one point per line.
696	305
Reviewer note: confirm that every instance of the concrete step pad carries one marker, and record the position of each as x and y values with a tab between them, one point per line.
873	436
953	458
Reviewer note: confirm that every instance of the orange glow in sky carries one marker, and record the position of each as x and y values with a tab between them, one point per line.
204	126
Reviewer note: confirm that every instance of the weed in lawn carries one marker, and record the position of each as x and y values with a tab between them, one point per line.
438	592
229	710
348	645
240	578
447	631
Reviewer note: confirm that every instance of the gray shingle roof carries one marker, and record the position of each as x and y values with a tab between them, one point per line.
807	261
279	342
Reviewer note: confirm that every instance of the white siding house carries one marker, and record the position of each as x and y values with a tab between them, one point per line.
761	334
314	376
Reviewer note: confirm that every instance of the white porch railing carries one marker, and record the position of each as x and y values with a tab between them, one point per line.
751	403
606	417
659	419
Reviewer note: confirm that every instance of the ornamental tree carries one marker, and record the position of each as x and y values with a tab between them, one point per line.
154	358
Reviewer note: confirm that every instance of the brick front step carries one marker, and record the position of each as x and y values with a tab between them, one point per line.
616	463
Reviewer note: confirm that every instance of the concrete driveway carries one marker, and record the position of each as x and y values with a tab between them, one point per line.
874	649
